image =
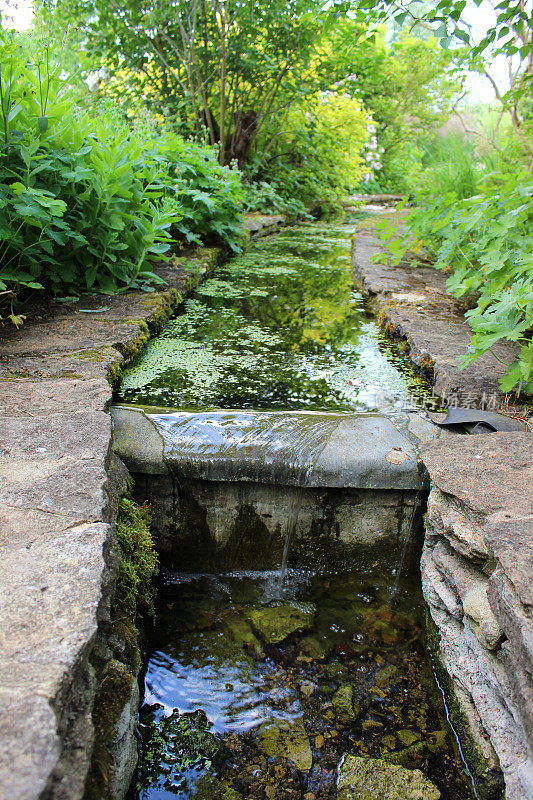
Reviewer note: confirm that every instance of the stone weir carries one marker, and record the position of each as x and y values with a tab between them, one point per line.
224	484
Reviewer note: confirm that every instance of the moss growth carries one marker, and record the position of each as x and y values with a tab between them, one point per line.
115	690
138	562
134	596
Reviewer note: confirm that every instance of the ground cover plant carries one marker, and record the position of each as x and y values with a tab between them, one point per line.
87	200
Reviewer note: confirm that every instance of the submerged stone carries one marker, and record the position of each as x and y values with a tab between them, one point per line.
343	704
275	623
375	779
284	739
386	676
210	788
240	631
410	757
314	648
407	737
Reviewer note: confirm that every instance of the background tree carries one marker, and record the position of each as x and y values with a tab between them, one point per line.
220	68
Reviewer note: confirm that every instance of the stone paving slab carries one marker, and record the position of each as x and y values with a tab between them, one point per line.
59	486
59	483
412	304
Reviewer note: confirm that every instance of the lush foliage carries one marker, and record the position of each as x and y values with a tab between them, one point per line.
85	199
317	157
220	69
486	243
409	87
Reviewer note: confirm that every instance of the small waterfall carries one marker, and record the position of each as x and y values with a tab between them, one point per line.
279	447
396	585
269	446
290	528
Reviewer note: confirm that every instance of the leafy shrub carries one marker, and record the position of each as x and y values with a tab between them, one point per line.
317	157
210	196
487	242
86	201
262	196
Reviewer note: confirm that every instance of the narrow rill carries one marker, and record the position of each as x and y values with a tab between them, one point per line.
260	680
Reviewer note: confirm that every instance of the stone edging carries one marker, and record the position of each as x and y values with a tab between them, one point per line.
59	487
412	304
477	561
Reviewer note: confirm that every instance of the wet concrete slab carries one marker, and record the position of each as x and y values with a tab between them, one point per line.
312	449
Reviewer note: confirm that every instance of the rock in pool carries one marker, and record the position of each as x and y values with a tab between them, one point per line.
284	739
274	623
374	779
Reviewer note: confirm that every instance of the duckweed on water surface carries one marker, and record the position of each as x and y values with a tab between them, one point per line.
279	327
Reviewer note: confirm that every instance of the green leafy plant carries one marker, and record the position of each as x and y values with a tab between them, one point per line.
486	243
86	199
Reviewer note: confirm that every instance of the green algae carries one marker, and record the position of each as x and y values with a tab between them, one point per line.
279	326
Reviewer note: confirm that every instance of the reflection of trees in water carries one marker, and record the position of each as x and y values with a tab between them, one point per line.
281	349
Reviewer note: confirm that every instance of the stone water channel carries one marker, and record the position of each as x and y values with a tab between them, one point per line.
274	430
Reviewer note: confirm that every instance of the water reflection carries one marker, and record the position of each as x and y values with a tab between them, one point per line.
280	327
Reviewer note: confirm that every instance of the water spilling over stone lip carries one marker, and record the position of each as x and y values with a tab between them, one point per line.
314	449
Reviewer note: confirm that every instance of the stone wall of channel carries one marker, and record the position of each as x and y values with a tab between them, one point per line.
218	525
476	572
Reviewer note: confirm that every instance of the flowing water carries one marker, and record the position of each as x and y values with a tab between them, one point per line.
258	683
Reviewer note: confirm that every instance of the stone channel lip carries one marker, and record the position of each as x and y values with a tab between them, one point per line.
355	451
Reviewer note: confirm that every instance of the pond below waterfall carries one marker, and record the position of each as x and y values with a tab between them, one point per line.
257	690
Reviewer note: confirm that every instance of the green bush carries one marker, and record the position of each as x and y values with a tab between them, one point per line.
87	200
318	157
486	242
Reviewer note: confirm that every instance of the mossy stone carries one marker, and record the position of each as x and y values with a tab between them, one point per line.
410	757
241	633
210	788
386	676
343	704
274	623
407	737
375	779
284	739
